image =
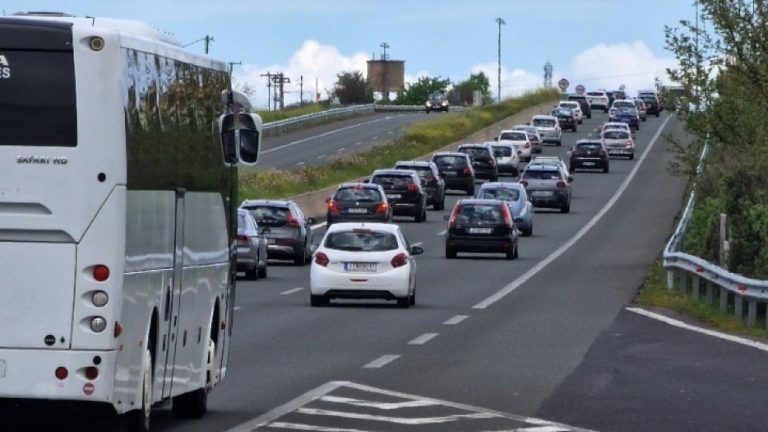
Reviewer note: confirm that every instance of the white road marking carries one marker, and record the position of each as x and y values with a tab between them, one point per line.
382	361
679	324
306	427
455	320
421	340
321	156
567	245
396	420
389	132
340	150
375	138
237	308
378	405
291	291
320	225
358	143
324	134
443	232
299	163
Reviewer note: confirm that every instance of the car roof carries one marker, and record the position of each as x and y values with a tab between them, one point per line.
542	167
450	153
501	185
415	163
478	201
398	172
266	203
544	117
547	159
504	143
359	185
588	141
473	145
375	226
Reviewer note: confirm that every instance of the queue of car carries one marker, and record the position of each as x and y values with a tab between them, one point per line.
363	255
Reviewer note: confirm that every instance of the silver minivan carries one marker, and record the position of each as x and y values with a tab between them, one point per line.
548	187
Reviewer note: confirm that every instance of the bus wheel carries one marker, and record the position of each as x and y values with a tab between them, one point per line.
195	403
138	420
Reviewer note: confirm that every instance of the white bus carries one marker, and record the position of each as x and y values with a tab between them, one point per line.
118	211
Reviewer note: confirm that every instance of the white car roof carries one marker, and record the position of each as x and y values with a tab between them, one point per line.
544	117
373	226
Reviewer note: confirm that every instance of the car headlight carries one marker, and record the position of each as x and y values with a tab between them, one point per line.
429	104
445	103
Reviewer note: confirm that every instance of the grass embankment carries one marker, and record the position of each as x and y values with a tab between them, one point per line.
270	116
416	140
654	292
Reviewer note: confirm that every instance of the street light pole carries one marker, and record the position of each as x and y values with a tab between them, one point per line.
499	21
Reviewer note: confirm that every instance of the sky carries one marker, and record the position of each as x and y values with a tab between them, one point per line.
596	43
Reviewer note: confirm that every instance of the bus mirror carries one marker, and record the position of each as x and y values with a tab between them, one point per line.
250	138
228	139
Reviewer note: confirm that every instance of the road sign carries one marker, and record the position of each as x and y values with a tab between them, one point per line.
563	84
580	89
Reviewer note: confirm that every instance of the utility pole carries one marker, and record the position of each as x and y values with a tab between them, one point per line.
268	75
232	65
384	68
207	39
279	80
500	22
301	90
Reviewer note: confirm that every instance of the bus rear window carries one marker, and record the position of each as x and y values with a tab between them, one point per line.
37	98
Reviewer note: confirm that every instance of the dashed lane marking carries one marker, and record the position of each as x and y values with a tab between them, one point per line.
421	340
382	361
455	320
324	134
291	291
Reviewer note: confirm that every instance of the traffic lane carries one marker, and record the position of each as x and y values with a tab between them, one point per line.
316	145
513	355
641	374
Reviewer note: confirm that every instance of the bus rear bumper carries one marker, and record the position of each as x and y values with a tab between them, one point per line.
32	374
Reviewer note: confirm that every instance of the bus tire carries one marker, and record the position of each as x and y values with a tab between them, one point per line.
195	403
139	420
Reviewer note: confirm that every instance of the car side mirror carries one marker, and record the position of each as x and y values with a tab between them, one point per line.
417	250
446	218
311	220
240	138
570	179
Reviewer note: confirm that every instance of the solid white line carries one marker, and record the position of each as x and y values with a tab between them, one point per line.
306	427
320	225
358	143
389	132
382	361
455	320
396	420
291	291
676	323
378	405
421	340
324	134
237	308
567	245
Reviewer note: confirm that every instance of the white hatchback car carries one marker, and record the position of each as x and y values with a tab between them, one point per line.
364	261
548	127
507	158
519	139
616	125
573	106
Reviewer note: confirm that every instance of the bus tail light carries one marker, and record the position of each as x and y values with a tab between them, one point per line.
91	372
62	373
98	324
101	273
118	329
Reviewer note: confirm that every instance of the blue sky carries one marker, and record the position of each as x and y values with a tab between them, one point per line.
598	43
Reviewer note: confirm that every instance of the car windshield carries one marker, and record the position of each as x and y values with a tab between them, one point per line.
626	111
562	112
450	161
361	240
268	214
502	151
504	194
544	122
542	175
357	194
478	214
392	181
615	134
512	136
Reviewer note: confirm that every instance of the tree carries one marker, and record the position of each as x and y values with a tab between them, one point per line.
352	88
417	93
463	92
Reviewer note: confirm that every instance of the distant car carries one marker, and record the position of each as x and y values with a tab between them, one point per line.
628	116
619	103
358	202
483	161
589	154
616	125
456	170
548	127
547	187
521	139
611	98
599	99
430	181
573	106
251	247
404	192
640	105
533	136
482	226
551	160
652	104
586	108
507	160
565	118
618	143
364	261
289	234
619	94
516	197
436	102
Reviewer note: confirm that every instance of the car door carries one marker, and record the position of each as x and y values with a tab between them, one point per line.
411	259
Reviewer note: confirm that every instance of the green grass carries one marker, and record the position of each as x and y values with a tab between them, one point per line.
416	140
654	292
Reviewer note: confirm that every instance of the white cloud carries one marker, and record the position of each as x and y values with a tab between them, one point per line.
514	81
315	61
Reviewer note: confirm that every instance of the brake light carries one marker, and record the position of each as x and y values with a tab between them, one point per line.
322	259
242	238
561	184
467	171
101	273
524	183
630	143
362	230
454	215
382	208
292	221
333	208
507	215
399	260
413	188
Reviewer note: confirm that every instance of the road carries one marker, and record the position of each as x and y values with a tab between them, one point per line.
491	344
316	145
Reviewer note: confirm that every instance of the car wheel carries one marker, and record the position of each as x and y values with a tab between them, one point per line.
658	114
606	169
412	297
317	300
528	232
404	302
441	204
517	252
510	254
632	156
470	191
589	116
195	404
263	271
300	259
559	143
574	129
450	253
566	208
605	109
252	274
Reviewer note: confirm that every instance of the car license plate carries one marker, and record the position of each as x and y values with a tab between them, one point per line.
588	163
541	193
450	173
479	230
360	267
394	196
357	210
271	241
2	368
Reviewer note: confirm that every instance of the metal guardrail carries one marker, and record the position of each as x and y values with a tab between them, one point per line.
731	288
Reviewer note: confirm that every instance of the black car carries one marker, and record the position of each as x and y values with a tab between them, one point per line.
430	181
589	154
358	202
481	225
456	171
652	105
565	118
404	192
483	161
586	108
289	234
436	102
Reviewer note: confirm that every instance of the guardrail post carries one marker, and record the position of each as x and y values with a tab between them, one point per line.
710	296
683	282
723	299
752	313
670	279
696	284
738	305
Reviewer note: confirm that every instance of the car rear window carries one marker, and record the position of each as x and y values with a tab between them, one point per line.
615	134
269	215
588	146
450	161
479	214
504	194
542	175
357	194
392	181
513	136
422	171
502	151
543	122
476	152
596	94
361	241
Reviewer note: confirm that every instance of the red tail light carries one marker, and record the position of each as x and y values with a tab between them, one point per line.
467	171
507	215
399	260
322	259
333	208
242	238
382	208
61	373
524	183
101	273
454	215
561	184
575	153
292	221
91	373
413	188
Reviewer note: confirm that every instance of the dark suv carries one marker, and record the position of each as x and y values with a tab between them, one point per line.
404	192
652	104
430	181
565	118
480	225
483	161
358	202
288	232
586	108
456	170
589	154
